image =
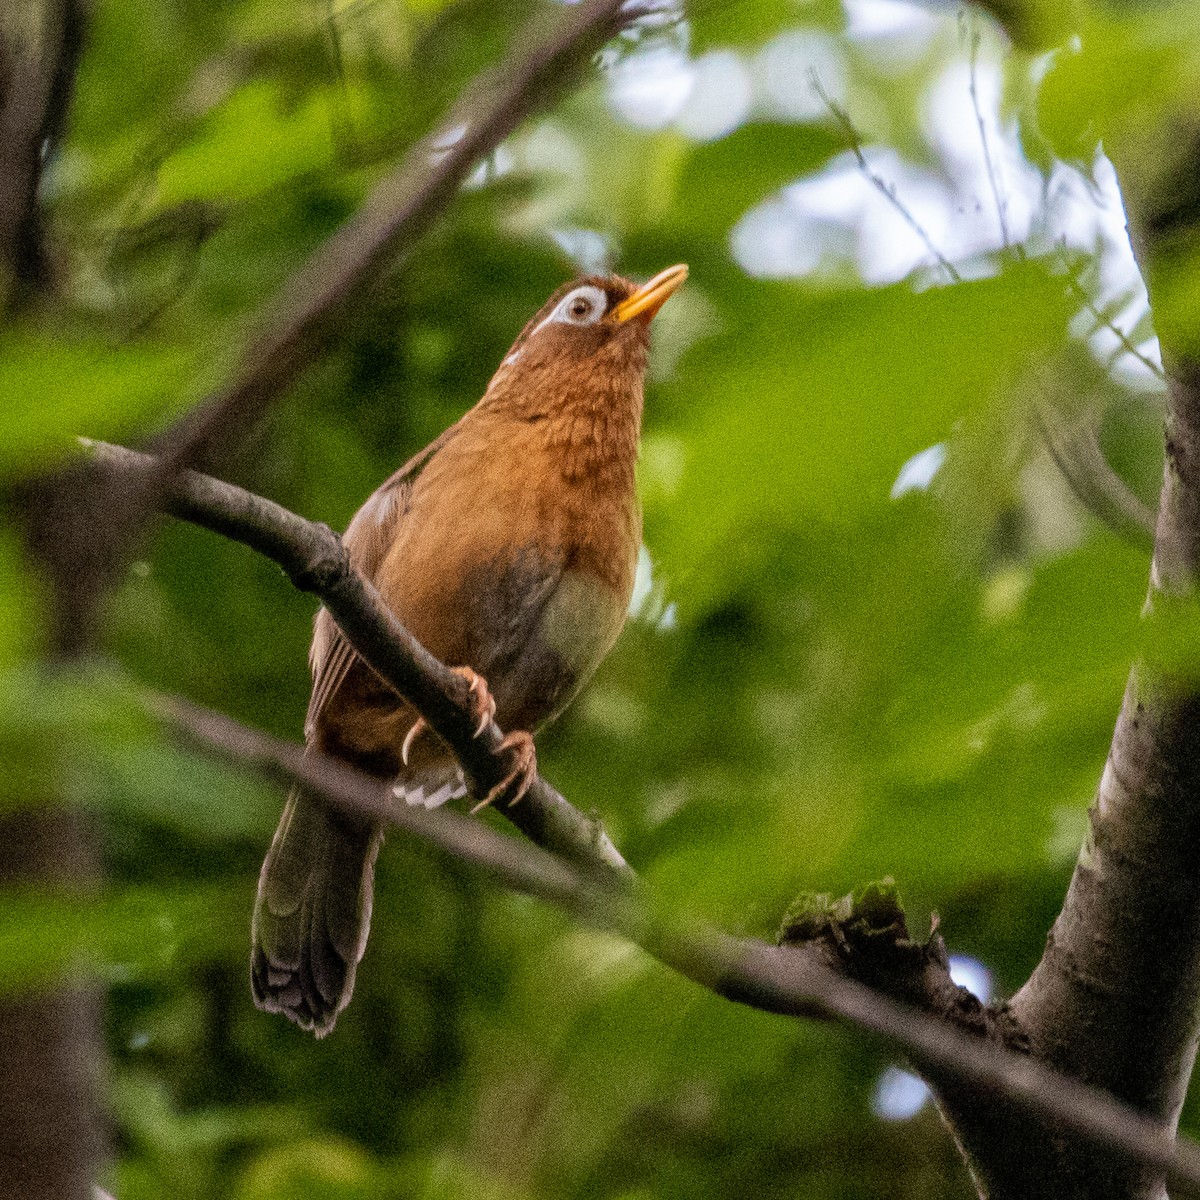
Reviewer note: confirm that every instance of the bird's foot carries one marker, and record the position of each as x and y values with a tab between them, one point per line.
479	697
483	704
521	773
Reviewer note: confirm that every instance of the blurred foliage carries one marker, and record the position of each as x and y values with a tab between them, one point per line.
821	684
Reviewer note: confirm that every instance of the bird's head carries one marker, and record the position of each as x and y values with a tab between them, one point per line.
592	335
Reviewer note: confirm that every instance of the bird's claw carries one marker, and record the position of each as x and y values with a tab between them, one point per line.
411	736
521	773
483	708
483	704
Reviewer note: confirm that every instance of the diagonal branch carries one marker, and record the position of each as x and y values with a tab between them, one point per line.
314	559
83	533
792	980
521	866
398	211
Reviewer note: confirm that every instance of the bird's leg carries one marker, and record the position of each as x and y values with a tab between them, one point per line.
521	773
483	709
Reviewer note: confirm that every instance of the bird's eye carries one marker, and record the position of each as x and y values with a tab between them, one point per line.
584	306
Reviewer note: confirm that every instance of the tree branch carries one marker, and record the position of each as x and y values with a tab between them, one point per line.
314	559
521	866
793	979
83	532
37	74
398	211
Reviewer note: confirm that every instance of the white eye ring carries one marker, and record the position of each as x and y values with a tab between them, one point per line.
583	306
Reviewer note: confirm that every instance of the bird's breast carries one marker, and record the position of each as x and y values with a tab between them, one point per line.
578	626
508	563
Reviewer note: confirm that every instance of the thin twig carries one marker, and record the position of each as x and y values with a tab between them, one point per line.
971	32
887	190
396	213
1102	322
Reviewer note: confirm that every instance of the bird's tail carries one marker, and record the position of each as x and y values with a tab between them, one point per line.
312	913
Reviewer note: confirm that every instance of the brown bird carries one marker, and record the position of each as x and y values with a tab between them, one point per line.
508	547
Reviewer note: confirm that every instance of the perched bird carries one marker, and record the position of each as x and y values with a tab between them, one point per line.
508	547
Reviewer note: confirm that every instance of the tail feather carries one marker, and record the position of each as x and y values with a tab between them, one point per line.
312	913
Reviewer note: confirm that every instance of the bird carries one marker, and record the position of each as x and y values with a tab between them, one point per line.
508	547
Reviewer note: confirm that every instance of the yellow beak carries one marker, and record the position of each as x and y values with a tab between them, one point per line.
650	297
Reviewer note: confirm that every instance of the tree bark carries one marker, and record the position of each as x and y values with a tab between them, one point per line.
40	47
1115	999
50	1147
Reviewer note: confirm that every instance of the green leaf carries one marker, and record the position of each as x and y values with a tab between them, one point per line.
1116	83
742	22
806	406
49	721
126	934
321	1166
56	389
255	141
721	181
143	1107
210	800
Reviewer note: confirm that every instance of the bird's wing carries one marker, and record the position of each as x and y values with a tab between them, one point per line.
329	658
367	538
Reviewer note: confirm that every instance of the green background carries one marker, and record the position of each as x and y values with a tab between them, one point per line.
822	685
